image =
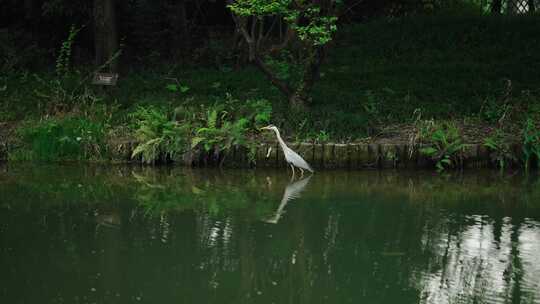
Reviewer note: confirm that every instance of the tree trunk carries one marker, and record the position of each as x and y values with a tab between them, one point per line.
278	83
496	6
111	37
300	98
180	26
98	33
105	33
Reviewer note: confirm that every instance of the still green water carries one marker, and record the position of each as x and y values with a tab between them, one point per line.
106	234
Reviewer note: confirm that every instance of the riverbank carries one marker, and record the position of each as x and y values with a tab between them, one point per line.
400	146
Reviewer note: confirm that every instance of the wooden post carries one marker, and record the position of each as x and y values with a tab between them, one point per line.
105	33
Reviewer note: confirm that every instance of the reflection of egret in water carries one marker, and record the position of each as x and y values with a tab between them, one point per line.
292	191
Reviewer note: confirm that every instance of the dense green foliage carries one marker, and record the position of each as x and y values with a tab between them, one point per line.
448	67
531	143
157	135
218	127
77	134
445	145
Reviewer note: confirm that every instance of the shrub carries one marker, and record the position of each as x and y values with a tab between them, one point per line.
445	145
500	149
531	143
157	134
164	134
71	138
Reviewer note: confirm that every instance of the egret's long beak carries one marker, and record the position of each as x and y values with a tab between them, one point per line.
264	128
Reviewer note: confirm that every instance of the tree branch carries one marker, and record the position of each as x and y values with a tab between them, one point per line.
350	8
310	76
274	21
287	39
280	84
253	26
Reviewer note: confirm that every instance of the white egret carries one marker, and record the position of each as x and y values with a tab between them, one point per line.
292	158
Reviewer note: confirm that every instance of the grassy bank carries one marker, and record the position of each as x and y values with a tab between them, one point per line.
444	81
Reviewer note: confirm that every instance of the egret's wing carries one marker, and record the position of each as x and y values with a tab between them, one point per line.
297	160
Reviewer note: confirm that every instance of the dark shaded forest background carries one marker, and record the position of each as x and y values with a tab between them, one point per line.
183	31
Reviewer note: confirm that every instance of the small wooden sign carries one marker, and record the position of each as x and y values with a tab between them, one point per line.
108	79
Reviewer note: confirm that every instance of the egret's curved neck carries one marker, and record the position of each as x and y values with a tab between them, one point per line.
280	140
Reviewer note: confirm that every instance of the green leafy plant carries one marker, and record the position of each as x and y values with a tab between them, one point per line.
494	111
500	149
227	124
322	137
372	106
212	128
531	143
258	111
72	138
64	55
177	88
79	133
284	65
158	135
67	89
445	146
219	133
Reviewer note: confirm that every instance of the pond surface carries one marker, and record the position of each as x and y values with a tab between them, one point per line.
106	234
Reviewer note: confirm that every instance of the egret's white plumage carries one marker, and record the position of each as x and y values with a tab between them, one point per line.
291	157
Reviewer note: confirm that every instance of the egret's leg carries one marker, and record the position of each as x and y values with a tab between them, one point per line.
292	167
301	172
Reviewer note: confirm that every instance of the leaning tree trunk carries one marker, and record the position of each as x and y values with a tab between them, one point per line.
299	99
105	33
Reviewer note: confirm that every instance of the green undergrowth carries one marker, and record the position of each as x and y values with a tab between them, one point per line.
380	71
444	144
167	134
75	133
451	69
161	133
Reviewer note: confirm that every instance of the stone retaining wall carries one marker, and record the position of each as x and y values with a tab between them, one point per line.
343	156
320	156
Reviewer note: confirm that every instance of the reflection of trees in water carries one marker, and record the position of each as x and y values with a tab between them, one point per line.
474	264
375	238
378	254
